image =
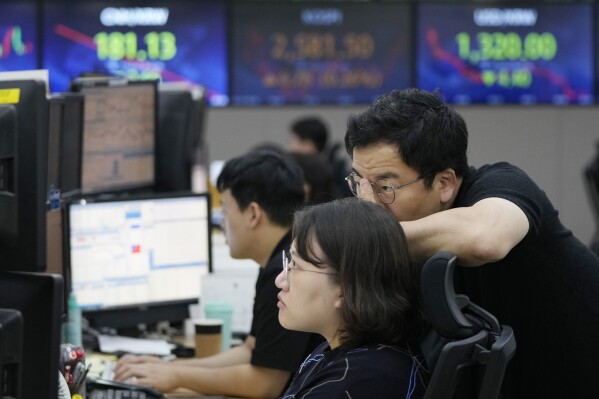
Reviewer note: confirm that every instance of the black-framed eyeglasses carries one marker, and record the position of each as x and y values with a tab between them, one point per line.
382	187
288	263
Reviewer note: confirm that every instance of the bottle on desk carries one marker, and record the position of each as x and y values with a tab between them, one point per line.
71	328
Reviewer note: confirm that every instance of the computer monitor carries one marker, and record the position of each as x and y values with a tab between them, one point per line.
315	52
23	175
119	132
507	53
179	137
173	41
55	120
38	297
72	136
65	130
138	260
18	35
11	347
8	152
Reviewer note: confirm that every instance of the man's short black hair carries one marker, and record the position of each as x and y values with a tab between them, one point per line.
429	135
267	178
313	129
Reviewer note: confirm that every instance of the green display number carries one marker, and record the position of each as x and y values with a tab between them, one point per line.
506	46
118	46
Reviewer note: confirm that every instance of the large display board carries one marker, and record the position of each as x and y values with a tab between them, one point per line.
317	53
516	54
18	36
171	41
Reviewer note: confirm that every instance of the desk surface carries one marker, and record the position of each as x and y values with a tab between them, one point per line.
191	395
97	362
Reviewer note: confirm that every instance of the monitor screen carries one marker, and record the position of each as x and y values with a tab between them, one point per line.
183	41
38	296
119	130
18	36
493	54
133	253
313	53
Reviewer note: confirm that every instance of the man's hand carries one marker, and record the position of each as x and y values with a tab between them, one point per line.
124	363
156	375
365	191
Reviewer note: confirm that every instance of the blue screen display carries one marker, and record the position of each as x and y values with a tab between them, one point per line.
174	41
316	53
493	54
18	36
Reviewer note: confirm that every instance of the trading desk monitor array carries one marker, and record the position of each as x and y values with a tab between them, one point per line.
138	260
119	133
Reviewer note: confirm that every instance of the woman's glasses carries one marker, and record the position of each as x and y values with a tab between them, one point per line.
288	263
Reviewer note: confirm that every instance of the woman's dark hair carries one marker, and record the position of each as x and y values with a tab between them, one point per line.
267	178
366	247
428	135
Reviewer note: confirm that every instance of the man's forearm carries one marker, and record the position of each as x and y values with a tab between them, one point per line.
235	356
238	381
482	233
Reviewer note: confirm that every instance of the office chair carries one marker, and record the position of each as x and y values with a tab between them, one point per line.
467	349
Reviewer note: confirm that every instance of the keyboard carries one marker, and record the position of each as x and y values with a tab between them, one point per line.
118	394
102	389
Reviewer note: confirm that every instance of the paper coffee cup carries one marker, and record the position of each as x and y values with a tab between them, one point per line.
208	336
223	311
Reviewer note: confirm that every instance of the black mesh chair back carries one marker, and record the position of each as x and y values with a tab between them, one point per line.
467	349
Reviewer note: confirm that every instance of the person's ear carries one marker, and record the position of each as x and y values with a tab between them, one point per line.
254	214
339	300
447	183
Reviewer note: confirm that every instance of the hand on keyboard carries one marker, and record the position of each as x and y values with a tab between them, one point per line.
108	372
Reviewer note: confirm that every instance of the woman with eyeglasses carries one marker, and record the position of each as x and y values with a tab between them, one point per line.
346	279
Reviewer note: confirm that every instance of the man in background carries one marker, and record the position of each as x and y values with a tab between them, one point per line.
310	135
408	154
260	192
